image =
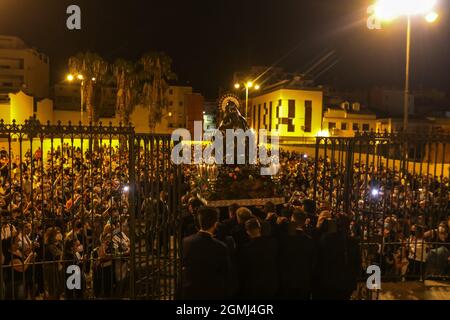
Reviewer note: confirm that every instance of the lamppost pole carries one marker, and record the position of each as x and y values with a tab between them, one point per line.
82	101
246	102
389	10
248	85
408	63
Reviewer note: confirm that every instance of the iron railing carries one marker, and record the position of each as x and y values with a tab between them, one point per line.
94	197
396	189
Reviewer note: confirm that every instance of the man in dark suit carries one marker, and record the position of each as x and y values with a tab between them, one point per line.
189	224
257	261
339	261
225	228
206	261
297	260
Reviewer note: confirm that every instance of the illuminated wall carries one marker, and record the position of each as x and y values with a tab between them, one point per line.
343	123
295	113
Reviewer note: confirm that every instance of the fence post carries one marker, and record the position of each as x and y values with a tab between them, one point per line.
316	160
132	204
348	180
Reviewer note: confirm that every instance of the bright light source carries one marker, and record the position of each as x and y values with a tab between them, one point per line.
249	84
257	87
126	189
391	9
93	79
204	112
432	17
70	77
323	133
375	192
237	85
305	156
80	77
170	114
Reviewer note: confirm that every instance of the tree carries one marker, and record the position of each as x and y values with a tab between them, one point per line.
93	69
156	72
127	89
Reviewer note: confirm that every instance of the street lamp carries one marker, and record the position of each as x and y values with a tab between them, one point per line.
71	78
248	85
389	10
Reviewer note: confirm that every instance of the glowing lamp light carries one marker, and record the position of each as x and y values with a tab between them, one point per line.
323	133
432	17
237	85
388	10
375	192
257	87
249	84
126	189
305	156
170	114
70	77
80	77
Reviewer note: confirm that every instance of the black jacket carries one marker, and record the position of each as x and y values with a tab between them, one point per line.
258	270
206	268
297	260
339	265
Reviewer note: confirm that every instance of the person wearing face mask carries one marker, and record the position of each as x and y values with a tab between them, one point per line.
121	244
438	258
74	256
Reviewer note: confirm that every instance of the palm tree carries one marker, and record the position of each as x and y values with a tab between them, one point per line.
127	89
93	69
156	73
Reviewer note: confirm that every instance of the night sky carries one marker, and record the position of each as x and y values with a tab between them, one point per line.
210	39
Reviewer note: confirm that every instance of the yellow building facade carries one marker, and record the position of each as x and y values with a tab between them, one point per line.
293	113
346	120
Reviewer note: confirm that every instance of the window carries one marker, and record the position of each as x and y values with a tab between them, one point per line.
331	125
343	126
355	127
265	116
366	127
291	127
308	116
259	117
291	111
270	115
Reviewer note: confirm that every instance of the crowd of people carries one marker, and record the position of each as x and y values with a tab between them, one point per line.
397	220
69	207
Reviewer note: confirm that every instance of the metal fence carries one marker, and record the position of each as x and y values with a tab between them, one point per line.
89	208
396	187
106	202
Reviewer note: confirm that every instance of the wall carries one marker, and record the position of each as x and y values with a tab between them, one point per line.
194	110
341	116
21	107
300	96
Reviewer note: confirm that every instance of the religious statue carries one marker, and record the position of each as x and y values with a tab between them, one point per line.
232	119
